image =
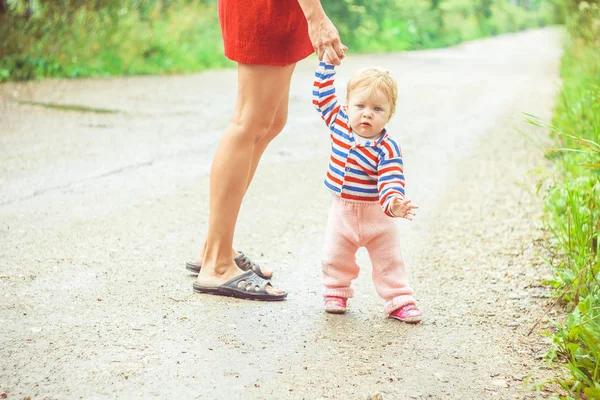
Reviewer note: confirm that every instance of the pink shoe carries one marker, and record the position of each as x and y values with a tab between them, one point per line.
409	313
335	305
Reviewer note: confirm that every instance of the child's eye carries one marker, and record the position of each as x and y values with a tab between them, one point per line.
378	109
360	106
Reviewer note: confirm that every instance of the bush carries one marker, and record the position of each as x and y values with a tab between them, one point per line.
111	41
573	211
71	38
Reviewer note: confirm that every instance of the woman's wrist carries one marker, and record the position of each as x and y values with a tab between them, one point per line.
312	9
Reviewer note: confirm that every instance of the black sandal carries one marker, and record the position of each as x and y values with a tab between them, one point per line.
248	286
242	261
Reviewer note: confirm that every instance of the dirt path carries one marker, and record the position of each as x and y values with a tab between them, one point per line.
99	212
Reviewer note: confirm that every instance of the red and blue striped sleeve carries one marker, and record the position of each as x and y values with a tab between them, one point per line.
390	176
324	98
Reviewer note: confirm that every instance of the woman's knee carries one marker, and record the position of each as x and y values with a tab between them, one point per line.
267	127
277	125
251	127
262	103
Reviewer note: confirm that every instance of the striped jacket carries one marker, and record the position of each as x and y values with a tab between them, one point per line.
373	172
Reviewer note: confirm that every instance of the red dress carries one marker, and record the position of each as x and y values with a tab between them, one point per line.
267	32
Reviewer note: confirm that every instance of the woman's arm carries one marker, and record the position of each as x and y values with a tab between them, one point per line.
323	34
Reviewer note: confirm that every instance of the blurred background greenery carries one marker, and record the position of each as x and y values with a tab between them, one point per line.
69	38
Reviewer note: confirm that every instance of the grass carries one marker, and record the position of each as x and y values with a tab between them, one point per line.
85	43
572	205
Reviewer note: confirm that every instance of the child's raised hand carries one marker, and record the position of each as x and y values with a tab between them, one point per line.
403	208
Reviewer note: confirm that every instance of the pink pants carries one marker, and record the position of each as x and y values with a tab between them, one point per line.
354	224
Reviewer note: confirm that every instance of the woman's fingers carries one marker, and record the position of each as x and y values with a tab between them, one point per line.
333	56
320	52
335	52
326	39
339	49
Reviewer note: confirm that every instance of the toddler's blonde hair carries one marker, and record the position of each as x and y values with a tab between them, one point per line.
377	79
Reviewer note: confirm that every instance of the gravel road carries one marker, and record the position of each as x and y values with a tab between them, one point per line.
100	210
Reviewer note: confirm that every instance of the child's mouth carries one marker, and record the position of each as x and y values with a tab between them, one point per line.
365	124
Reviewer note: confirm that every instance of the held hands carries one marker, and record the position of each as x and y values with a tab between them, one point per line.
326	40
328	60
403	208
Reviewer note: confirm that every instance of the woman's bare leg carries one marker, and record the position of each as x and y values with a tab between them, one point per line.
277	126
260	92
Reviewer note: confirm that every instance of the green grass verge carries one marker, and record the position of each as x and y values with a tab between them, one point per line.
106	42
572	206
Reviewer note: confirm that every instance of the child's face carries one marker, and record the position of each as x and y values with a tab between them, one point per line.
368	112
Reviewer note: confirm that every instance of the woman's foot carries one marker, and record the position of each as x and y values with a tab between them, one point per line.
242	260
245	263
335	305
225	274
409	313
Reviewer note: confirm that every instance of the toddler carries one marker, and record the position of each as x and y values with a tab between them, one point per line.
366	178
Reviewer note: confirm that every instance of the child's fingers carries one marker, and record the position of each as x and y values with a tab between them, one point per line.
407	203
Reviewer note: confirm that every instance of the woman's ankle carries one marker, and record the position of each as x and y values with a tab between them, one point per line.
199	259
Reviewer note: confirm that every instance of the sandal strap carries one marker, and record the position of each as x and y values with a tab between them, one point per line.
254	280
248	285
246	264
249	277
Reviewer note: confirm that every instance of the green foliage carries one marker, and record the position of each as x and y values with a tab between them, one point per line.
577	348
385	25
76	38
573	208
584	21
111	41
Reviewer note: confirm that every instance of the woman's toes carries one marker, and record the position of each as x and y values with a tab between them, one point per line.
271	290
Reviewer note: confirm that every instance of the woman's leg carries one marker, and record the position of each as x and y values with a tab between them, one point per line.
260	92
277	126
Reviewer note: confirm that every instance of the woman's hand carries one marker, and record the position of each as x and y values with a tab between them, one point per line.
328	60
403	208
326	40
